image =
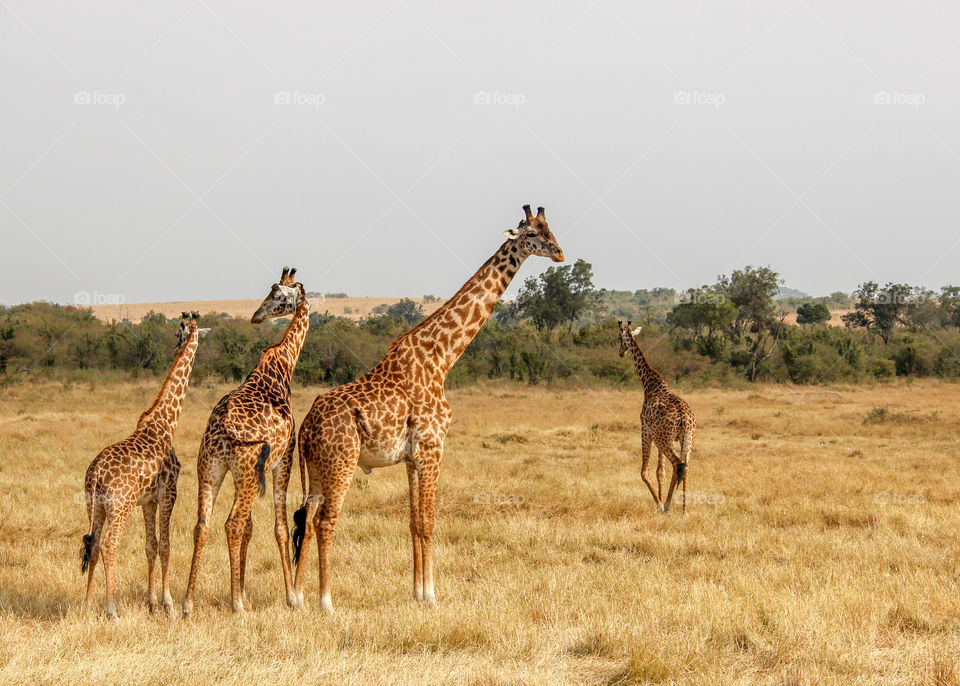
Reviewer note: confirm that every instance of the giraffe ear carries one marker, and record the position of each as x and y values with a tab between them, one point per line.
513	233
636	331
202	332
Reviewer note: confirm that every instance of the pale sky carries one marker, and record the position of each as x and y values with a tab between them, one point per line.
145	156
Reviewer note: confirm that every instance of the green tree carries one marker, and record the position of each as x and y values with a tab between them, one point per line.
813	313
560	295
879	310
706	313
407	309
950	306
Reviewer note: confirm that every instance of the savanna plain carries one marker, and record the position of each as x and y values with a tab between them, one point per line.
821	544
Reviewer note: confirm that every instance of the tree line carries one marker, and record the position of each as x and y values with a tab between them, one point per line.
559	329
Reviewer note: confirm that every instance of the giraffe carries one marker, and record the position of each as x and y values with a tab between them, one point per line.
665	418
398	413
251	432
140	470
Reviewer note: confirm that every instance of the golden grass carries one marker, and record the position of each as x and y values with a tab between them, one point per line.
824	548
352	308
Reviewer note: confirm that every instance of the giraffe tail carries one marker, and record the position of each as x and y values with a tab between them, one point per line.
261	467
90	539
299	525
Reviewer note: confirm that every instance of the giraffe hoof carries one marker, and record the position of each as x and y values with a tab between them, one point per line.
187	608
294	601
168	608
153	607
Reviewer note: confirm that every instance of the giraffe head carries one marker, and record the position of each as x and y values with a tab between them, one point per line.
533	236
283	298
188	324
626	335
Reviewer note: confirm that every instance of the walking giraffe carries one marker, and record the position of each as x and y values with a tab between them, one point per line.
665	418
398	413
251	432
140	470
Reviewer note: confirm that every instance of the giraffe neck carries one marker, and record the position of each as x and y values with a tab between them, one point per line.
164	414
280	360
650	378
442	337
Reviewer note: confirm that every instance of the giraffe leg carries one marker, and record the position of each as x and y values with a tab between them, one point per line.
660	475
310	512
415	527
99	515
113	529
646	443
674	462
150	529
244	543
167	498
428	468
325	521
209	487
235	527
281	479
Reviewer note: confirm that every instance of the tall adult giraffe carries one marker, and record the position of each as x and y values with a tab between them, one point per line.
140	470
251	432
664	419
398	412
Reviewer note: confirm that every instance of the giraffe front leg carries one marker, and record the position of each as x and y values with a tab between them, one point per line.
414	485
281	479
660	476
150	528
167	498
674	462
428	469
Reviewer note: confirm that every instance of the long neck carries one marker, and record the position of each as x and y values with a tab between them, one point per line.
165	411
280	360
444	335
649	377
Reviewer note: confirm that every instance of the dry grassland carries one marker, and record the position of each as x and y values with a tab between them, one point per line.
821	545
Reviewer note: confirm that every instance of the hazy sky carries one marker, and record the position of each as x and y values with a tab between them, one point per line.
145	154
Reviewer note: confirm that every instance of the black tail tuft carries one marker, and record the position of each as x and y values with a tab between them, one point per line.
89	540
681	472
299	524
261	466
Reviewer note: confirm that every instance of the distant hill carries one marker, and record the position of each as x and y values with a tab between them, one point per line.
785	293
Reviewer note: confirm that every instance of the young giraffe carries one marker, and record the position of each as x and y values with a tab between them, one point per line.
140	470
250	432
398	413
665	418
